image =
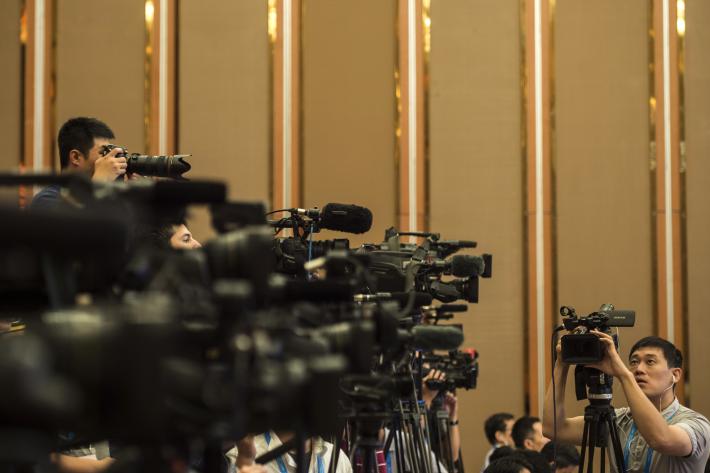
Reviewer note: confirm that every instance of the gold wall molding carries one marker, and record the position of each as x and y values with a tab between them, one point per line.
537	91
667	169
160	76
411	92
38	38
284	25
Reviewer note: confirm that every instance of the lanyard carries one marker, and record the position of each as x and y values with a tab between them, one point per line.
649	454
282	465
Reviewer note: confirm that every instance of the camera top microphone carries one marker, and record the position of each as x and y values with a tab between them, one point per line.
339	217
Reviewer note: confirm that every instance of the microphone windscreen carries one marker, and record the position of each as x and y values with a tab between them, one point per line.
346	218
436	337
465	266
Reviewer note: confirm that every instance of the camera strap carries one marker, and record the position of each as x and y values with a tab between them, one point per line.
649	454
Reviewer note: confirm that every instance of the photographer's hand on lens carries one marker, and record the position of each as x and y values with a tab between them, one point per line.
107	168
612	364
428	394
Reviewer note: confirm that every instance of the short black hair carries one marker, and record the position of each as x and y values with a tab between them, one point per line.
567	454
496	423
673	355
501	452
536	459
523	429
79	133
509	464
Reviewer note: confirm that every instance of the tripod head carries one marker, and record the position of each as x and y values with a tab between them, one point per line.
592	384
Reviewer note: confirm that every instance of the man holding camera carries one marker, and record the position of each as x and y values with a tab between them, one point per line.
656	433
80	141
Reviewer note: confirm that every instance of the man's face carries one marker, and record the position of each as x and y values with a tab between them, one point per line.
182	239
537	441
85	163
650	368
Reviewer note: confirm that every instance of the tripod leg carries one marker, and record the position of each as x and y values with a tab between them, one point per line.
583	454
592	444
602	459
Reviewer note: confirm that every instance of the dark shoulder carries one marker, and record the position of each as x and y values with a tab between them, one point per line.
47	198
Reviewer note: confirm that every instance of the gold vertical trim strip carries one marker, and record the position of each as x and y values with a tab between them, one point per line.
425	192
411	107
669	191
286	154
680	30
539	205
149	64
160	76
272	32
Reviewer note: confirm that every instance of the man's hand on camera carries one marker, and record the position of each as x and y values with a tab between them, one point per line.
612	364
428	394
246	451
107	168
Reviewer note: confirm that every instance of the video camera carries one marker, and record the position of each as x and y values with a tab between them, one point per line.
459	366
583	347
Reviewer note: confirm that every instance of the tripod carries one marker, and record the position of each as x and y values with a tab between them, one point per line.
599	419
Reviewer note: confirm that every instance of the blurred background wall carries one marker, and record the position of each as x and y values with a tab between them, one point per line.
317	95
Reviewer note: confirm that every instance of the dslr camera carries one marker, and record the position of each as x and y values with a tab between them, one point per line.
582	347
173	166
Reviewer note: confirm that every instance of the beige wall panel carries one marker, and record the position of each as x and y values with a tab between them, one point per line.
603	194
223	95
477	191
697	119
10	93
349	59
100	60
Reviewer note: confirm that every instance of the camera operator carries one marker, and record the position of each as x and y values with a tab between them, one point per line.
80	139
657	434
450	403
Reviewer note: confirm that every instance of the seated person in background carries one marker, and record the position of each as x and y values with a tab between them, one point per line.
536	461
249	448
527	434
509	464
567	456
657	433
177	237
80	140
498	429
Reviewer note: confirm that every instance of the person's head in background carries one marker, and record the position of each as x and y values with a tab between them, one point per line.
527	434
175	236
567	456
509	464
499	429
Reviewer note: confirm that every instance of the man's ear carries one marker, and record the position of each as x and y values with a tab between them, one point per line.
528	444
75	157
500	437
677	374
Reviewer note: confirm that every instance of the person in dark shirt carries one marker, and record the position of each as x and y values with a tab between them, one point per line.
80	140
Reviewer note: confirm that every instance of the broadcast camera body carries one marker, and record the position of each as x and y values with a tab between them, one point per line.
581	348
